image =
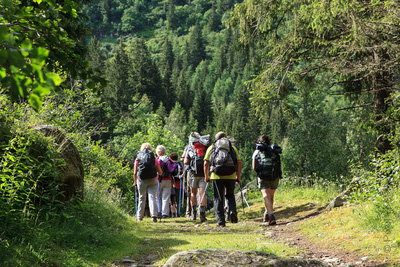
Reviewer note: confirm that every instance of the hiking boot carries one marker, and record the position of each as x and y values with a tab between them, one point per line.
271	220
266	217
233	217
154	219
193	217
165	216
203	217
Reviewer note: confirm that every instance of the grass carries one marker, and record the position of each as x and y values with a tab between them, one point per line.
354	229
98	233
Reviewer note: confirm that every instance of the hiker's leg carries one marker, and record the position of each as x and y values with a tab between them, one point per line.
152	190
218	187
142	188
230	195
268	195
166	194
202	187
193	196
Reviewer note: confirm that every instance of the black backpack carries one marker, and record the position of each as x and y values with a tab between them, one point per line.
223	158
196	154
268	162
146	165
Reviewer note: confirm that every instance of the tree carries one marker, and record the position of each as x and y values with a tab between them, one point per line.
353	41
196	46
144	74
38	42
120	91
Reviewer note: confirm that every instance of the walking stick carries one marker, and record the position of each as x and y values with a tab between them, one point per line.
243	197
205	191
180	195
136	203
159	199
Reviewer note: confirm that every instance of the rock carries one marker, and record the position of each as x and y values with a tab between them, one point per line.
340	200
229	257
72	174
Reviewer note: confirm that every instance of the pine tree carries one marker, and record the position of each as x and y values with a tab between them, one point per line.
145	76
119	91
95	54
196	46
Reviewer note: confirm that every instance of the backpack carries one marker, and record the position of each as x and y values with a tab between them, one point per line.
196	154
166	171
268	162
146	165
178	170
223	158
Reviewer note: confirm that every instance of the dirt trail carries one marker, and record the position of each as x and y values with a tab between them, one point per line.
286	232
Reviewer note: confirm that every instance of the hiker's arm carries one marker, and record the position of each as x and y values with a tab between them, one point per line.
207	171
239	171
135	174
159	171
187	160
253	165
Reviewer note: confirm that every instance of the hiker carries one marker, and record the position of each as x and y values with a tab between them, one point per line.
165	180
185	177
176	193
223	161
194	158
145	178
266	163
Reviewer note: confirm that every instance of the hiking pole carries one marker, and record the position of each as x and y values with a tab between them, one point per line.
136	203
205	191
243	197
159	199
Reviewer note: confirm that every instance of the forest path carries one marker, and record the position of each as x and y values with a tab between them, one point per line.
287	231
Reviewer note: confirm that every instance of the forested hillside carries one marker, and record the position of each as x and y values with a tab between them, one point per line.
320	77
195	76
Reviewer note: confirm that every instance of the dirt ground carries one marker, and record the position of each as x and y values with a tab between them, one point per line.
285	232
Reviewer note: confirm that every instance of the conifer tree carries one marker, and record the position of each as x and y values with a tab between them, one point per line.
95	54
145	76
196	46
119	91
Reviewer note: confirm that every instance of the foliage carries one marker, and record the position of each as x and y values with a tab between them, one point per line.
30	168
38	46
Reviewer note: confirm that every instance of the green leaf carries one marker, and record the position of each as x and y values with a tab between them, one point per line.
38	1
4	36
2	73
41	91
35	101
55	78
3	56
91	85
26	47
16	59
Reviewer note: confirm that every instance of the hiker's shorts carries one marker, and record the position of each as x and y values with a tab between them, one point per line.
196	182
263	184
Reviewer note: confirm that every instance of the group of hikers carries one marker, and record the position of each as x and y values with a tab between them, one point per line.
160	179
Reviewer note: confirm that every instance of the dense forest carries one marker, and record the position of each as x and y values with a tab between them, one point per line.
319	77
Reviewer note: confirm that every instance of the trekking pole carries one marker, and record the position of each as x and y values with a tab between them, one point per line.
159	199
243	197
205	191
136	203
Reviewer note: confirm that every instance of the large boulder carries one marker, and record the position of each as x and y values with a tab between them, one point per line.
230	257
72	174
